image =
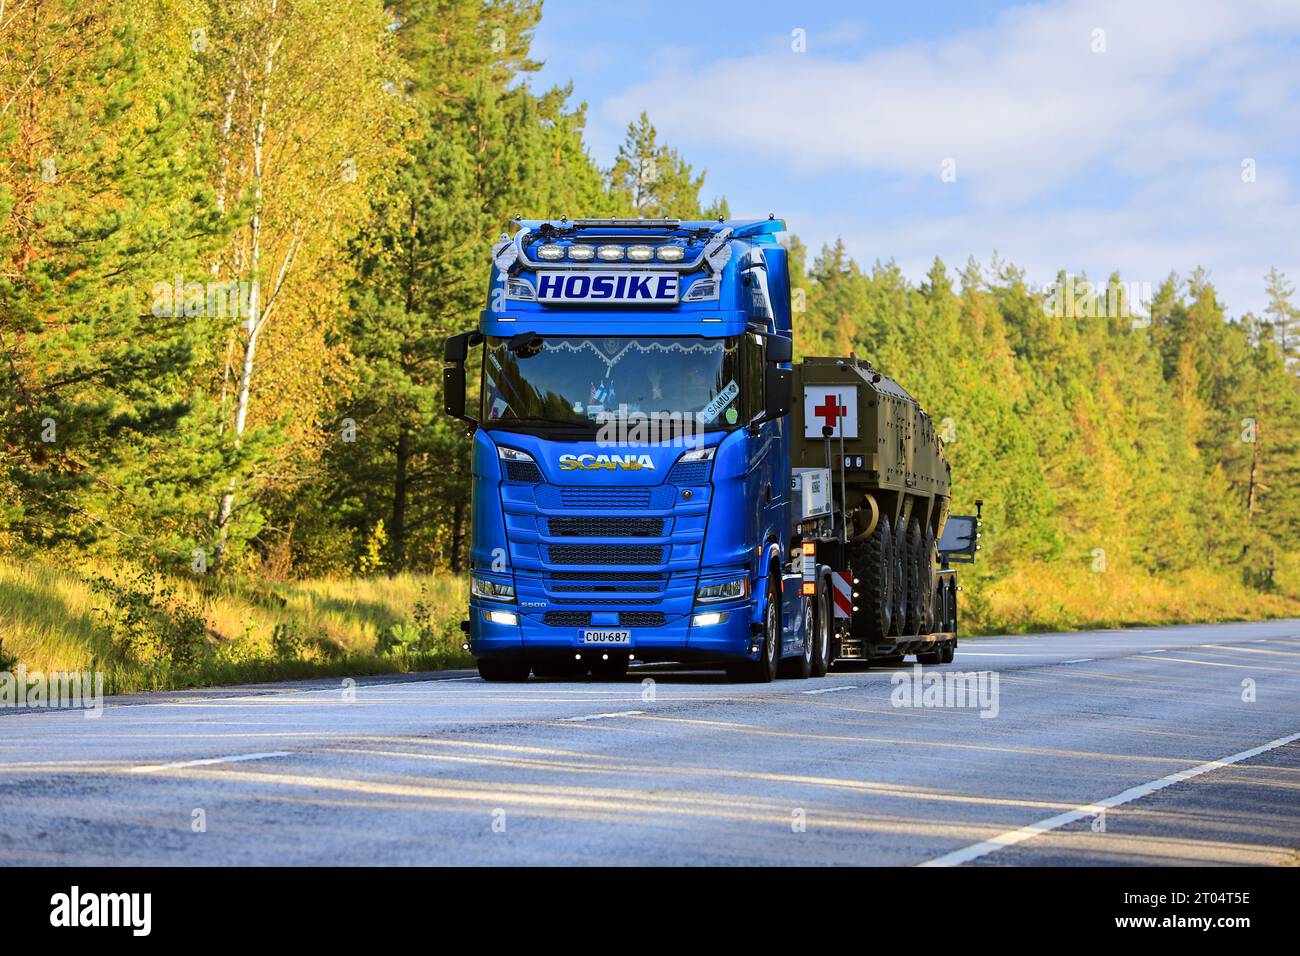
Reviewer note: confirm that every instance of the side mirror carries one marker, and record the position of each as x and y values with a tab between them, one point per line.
454	352
453	390
778	388
455	349
779	349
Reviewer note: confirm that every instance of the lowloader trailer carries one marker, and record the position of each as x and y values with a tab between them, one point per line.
655	480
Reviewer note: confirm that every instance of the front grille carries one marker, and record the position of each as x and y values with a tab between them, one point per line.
689	473
525	471
605	581
605	497
641	618
606	527
604	554
567	618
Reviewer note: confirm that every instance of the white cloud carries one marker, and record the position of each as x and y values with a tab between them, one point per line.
1125	159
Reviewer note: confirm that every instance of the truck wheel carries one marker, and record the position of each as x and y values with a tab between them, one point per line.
763	670
821	660
801	667
949	651
503	670
873	563
901	566
933	654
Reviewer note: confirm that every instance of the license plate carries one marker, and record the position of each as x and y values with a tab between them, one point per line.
606	636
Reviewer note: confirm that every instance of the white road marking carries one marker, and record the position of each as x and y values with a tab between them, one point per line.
1012	837
831	690
621	713
237	758
1078	660
1158	650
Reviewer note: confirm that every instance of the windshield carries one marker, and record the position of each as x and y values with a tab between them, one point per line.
579	382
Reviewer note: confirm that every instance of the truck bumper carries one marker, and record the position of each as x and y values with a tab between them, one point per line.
728	640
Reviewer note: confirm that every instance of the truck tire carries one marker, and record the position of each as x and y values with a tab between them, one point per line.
493	670
901	570
929	584
949	651
873	566
822	625
933	654
763	670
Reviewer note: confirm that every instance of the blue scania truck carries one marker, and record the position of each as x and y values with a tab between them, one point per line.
654	479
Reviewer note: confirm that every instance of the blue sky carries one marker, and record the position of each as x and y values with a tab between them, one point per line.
1088	136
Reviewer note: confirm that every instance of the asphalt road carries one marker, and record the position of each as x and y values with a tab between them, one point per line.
1093	750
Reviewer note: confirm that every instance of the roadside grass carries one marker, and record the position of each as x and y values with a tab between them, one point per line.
154	634
1042	597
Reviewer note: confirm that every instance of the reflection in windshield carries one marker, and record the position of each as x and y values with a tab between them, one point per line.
584	381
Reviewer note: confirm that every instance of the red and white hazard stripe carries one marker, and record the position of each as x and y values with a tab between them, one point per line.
843	593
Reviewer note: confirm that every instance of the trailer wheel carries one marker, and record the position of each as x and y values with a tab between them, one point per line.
763	670
873	566
949	651
933	654
822	624
513	671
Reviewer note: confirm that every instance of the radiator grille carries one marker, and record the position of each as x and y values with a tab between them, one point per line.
567	618
605	527
641	618
618	498
605	554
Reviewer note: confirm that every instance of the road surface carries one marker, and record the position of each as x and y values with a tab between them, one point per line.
1150	746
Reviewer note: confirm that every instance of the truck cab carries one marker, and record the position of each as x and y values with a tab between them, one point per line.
631	467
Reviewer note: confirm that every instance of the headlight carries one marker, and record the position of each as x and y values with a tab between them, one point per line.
512	454
709	618
723	590
671	253
610	253
582	253
492	590
702	290
699	454
520	289
640	253
550	252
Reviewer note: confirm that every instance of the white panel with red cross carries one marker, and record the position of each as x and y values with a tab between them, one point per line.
833	405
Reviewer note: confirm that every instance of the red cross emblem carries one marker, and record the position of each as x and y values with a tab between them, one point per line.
831	411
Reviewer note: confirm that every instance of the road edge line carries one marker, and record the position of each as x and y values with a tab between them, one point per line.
1021	834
